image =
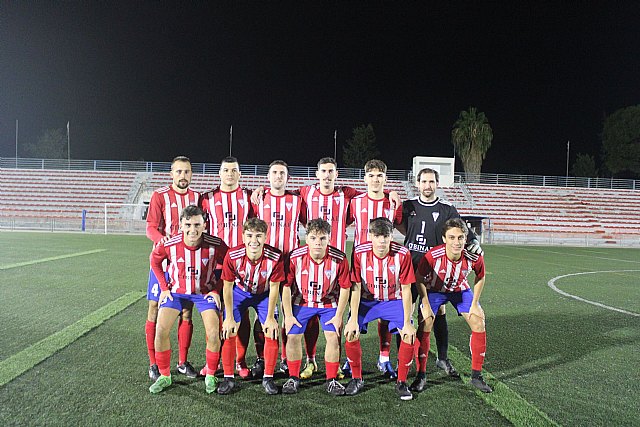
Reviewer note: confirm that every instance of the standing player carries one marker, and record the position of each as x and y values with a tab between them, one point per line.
252	273
442	278
192	256
281	210
362	209
163	221
384	268
228	207
317	285
422	220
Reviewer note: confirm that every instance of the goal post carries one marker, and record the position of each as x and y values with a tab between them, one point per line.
127	218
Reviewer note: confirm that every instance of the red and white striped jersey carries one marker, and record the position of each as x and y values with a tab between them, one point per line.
227	211
250	276
382	278
333	208
282	215
443	275
317	284
363	209
163	215
190	268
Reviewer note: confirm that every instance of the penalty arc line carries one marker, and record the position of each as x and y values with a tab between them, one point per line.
551	284
53	258
19	363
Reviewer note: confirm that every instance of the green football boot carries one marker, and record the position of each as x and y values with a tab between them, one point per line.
210	383
161	383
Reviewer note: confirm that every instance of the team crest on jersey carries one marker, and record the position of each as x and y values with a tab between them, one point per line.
435	215
337	201
241	202
263	274
289	206
392	269
328	274
205	261
387	212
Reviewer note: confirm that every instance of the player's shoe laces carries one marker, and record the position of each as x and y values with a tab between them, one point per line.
403	391
226	386
419	383
478	382
445	365
243	371
154	372
308	371
187	369
284	368
210	383
346	370
257	370
354	386
161	383
335	388
269	385
291	386
387	369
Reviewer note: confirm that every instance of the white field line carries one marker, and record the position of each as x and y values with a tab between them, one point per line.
53	258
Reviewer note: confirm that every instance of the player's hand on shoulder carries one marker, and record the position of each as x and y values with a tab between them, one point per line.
395	199
474	247
257	194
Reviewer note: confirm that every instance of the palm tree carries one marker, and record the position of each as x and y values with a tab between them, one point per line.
471	136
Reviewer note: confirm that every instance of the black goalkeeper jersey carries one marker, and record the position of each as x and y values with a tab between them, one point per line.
423	223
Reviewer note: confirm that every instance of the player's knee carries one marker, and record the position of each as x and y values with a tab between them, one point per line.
442	311
427	324
476	323
332	338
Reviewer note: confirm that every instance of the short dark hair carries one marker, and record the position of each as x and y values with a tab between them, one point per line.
180	159
279	163
380	227
325	160
318	225
191	211
455	223
255	224
375	164
428	170
229	159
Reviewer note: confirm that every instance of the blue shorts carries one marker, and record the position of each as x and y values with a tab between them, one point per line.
243	300
304	314
391	311
202	302
153	288
461	301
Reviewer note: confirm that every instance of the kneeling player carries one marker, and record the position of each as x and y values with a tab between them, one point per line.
192	256
442	278
252	273
385	269
317	285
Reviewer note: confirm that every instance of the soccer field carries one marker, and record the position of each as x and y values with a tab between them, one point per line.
563	332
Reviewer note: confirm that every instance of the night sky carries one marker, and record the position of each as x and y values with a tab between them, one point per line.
147	80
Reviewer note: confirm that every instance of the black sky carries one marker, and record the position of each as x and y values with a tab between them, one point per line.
148	80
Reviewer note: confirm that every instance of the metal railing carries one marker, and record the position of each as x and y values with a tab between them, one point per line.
548	181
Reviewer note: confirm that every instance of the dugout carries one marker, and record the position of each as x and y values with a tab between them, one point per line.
477	224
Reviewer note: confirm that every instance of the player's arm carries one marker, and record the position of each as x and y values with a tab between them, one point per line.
158	255
229	326
421	271
154	218
289	319
351	329
478	268
400	222
408	331
270	324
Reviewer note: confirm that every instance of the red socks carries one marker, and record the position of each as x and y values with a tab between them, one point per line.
332	369
478	345
311	336
228	356
242	341
294	368
163	358
150	336
270	356
423	345
385	338
213	358
354	356
405	358
185	332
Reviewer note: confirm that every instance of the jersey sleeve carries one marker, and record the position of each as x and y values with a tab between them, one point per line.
397	216
407	276
277	275
344	280
155	259
252	212
155	221
424	267
228	269
478	267
350	192
290	273
221	252
355	268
